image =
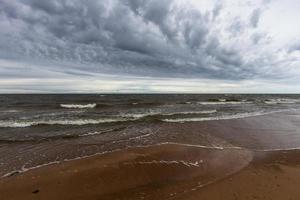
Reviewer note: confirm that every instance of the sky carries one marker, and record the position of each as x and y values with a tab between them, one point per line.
149	46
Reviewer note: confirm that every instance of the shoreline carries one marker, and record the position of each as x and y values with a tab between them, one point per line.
113	151
13	173
184	171
202	124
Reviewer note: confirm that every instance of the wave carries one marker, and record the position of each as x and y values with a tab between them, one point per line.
139	115
102	132
92	105
281	101
222	102
134	117
191	112
9	111
146	104
153	113
223	117
78	122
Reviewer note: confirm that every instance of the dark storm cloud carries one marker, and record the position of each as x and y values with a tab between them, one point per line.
136	37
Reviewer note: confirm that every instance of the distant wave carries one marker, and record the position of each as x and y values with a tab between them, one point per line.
9	111
92	105
281	101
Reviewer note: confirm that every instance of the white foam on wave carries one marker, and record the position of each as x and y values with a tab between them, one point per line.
281	101
97	132
199	119
145	135
153	113
222	102
196	145
139	115
91	105
122	118
25	169
169	162
192	112
9	111
224	117
277	149
22	124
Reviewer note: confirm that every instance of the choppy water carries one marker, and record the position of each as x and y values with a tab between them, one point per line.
36	129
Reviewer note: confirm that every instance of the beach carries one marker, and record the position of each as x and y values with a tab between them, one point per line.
275	176
147	172
259	160
149	100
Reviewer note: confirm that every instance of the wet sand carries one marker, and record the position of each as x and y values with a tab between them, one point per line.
272	175
164	172
174	171
152	172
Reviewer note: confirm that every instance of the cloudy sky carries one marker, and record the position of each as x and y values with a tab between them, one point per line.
150	46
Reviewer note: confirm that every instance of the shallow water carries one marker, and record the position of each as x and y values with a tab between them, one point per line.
38	129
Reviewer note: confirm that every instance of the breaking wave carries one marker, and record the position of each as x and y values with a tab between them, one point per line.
222	102
78	122
164	117
154	113
92	105
281	101
223	117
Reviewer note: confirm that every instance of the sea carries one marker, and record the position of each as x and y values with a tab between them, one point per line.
42	129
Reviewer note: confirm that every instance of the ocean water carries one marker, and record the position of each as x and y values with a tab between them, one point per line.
40	129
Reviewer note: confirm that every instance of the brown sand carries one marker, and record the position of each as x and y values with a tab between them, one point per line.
274	176
156	172
151	173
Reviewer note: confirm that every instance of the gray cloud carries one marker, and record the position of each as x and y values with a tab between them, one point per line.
155	38
295	47
255	17
217	9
